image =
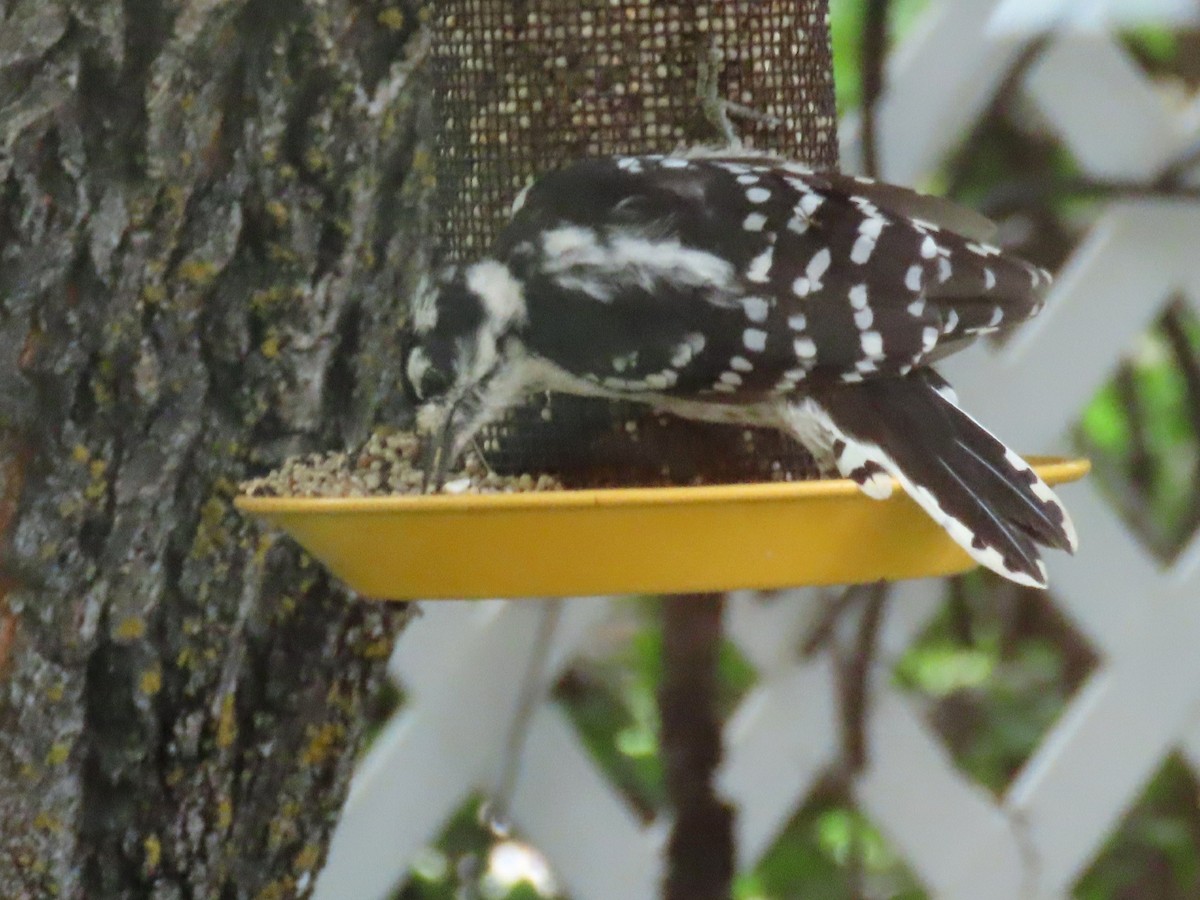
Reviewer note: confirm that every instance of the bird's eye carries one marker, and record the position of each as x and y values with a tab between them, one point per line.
427	379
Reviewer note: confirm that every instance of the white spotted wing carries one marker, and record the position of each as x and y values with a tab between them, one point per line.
733	278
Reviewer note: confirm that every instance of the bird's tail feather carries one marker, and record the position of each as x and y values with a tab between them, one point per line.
987	498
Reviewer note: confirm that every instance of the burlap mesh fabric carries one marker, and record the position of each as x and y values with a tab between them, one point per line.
525	86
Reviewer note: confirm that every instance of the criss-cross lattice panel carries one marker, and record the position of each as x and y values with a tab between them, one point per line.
461	665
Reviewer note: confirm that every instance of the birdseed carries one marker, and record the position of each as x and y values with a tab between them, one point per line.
388	464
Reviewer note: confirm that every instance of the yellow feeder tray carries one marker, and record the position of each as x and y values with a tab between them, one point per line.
623	540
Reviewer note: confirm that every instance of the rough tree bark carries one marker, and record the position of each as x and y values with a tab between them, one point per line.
210	213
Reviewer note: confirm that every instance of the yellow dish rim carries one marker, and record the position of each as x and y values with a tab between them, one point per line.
1056	469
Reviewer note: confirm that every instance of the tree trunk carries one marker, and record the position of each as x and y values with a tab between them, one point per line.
210	213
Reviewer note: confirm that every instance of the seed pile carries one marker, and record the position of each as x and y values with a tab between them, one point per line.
388	464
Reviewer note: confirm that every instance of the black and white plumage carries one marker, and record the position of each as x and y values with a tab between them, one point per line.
748	289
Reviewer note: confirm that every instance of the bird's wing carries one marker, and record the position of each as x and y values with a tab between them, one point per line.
910	204
742	277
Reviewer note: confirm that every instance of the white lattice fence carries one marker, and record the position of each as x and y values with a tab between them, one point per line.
461	665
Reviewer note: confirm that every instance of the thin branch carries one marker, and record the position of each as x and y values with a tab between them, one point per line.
1140	468
497	810
1133	503
853	667
1042	193
1175	171
700	853
961	622
854	682
873	57
820	636
1175	330
1002	99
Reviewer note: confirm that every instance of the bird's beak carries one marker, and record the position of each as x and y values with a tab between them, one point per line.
439	448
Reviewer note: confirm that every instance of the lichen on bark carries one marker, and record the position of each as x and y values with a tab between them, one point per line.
211	212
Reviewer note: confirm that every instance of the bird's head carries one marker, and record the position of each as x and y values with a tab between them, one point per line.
461	319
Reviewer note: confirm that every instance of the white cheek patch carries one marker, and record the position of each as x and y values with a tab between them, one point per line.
418	365
500	293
